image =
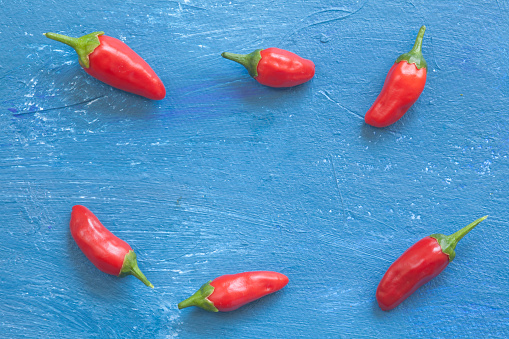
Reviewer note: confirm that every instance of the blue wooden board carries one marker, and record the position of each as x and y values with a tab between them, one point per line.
225	175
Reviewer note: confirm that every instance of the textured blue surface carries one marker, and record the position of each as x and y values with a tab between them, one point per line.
226	175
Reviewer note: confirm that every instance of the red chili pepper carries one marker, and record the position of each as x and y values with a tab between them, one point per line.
275	67
426	259
113	62
107	252
402	87
229	292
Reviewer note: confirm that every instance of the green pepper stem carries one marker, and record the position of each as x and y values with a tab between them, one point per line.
73	42
191	301
418	41
138	274
249	61
199	298
84	45
448	242
130	267
415	55
457	236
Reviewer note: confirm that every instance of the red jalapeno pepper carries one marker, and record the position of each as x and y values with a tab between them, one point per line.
229	292
114	63
107	252
275	67
402	87
426	259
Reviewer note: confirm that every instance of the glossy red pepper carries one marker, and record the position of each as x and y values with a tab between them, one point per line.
229	292
426	259
275	67
114	63
402	87
107	252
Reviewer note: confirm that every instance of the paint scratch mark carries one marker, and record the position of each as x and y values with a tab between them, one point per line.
88	101
188	5
365	253
325	94
339	191
212	32
6	74
321	22
434	55
377	220
349	13
185	254
224	84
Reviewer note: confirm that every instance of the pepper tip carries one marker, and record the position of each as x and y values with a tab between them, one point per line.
183	304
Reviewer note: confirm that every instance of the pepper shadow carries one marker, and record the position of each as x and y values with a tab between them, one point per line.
421	298
381	134
258	95
377	311
80	91
375	134
202	322
94	281
121	103
264	102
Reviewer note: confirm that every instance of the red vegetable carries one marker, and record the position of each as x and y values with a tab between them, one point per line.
419	264
275	67
229	292
403	86
107	252
113	62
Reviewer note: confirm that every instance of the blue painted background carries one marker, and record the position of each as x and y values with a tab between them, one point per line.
225	175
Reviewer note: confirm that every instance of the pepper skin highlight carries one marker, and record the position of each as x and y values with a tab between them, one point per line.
229	292
275	67
402	87
418	265
107	252
114	63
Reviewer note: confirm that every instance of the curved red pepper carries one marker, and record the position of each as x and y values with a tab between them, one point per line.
107	252
426	259
402	87
229	292
114	63
275	67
